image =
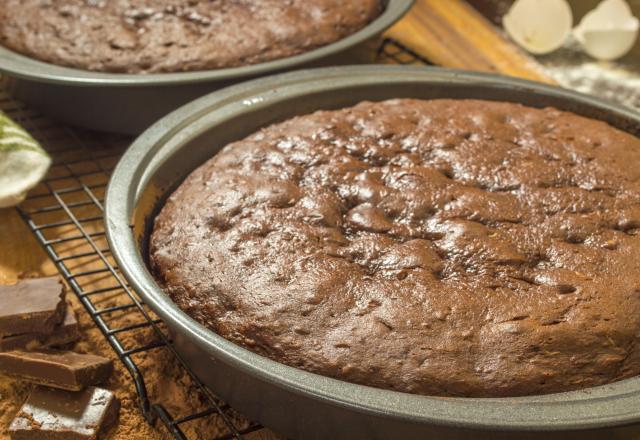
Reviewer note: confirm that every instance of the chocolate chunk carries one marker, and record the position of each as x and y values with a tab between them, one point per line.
63	415
31	306
64	333
59	369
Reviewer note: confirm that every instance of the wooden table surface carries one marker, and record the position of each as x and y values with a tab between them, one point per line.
432	28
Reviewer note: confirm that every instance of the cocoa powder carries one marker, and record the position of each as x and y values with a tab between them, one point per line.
167	383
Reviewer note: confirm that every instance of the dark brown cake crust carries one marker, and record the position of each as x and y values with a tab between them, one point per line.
462	248
148	36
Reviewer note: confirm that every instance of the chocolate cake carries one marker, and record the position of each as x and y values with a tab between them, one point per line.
444	247
148	36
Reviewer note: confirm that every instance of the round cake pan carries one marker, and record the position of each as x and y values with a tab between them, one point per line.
126	103
305	405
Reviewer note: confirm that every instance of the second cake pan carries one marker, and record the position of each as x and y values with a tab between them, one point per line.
297	403
127	103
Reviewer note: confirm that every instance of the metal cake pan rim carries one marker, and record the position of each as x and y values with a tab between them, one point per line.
24	67
603	406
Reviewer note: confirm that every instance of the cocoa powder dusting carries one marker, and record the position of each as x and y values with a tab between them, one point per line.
166	381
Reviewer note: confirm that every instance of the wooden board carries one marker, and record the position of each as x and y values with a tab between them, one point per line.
451	33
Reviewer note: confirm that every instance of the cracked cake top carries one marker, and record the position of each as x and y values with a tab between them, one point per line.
444	247
151	36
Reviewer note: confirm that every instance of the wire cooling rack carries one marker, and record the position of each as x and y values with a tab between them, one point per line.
65	212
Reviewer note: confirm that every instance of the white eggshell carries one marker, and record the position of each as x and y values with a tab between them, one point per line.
539	26
609	31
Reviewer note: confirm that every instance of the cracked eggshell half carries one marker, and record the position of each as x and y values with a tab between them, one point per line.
539	26
609	31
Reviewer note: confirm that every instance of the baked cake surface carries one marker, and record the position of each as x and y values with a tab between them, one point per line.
138	36
445	247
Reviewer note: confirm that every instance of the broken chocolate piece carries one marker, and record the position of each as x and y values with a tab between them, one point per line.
31	306
63	415
63	333
59	369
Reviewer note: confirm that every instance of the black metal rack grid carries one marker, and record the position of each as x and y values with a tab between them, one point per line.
65	212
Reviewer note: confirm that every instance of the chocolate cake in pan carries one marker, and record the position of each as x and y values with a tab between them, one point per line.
154	36
438	247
